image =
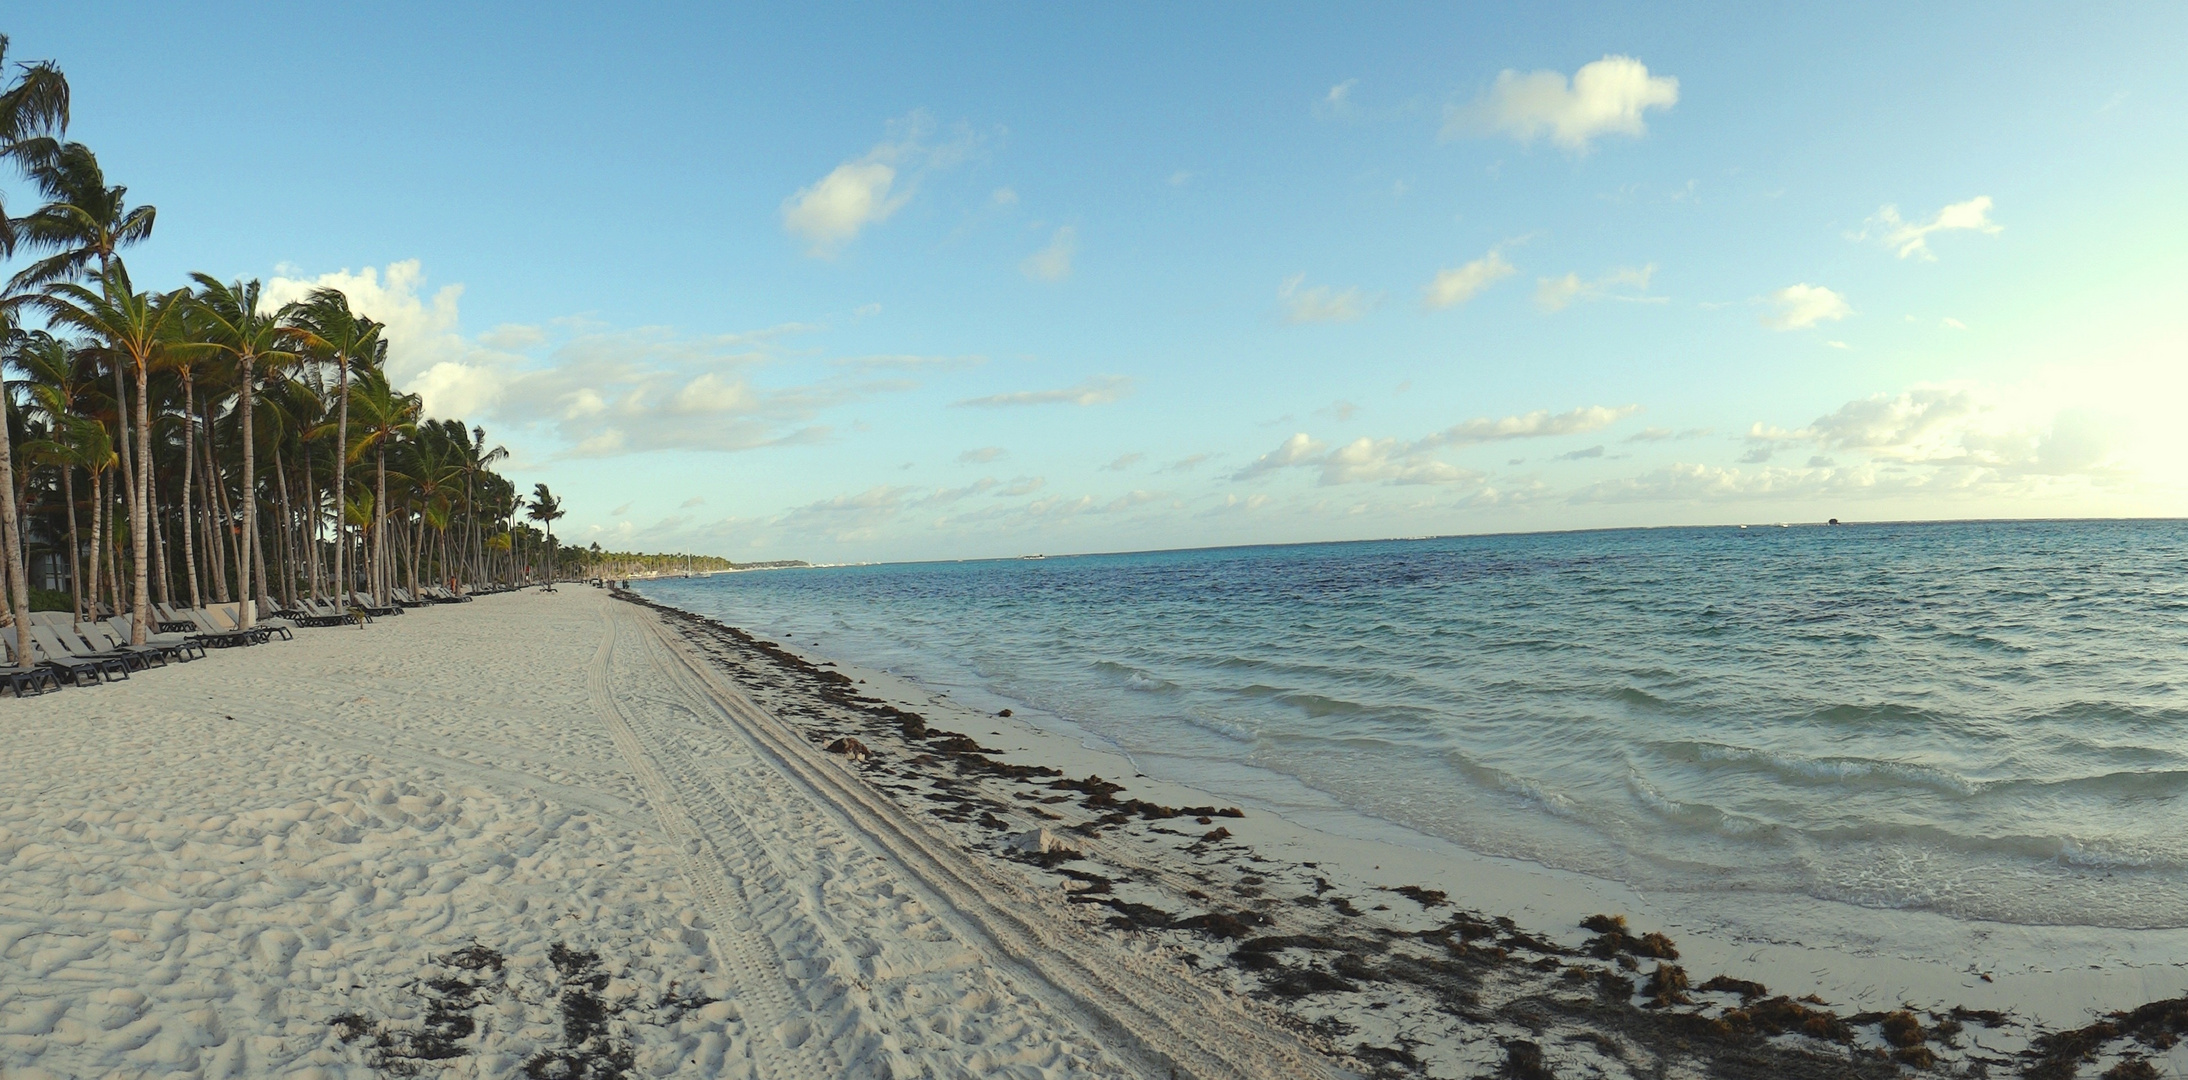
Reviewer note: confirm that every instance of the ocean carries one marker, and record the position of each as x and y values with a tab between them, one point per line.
1987	720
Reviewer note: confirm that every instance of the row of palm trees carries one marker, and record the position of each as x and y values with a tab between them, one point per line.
201	443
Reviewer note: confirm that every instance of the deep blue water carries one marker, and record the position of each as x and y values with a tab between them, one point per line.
1984	719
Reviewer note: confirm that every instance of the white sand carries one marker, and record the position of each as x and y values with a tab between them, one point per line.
202	867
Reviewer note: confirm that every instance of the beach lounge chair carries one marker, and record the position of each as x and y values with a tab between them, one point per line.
84	641
55	653
403	598
173	645
102	638
328	613
170	621
20	676
209	631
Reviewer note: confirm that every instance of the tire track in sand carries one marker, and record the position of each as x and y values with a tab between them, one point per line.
1162	1019
769	1003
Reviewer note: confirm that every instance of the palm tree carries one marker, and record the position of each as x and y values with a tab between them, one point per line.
10	525
33	103
385	416
83	220
324	323
545	509
240	329
140	330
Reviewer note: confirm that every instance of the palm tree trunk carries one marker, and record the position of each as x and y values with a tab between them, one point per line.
216	555
75	552
250	498
98	538
140	535
309	524
341	472
380	576
189	476
11	533
288	518
159	546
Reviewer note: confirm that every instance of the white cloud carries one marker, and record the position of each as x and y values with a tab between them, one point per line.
1555	294
866	311
1337	102
1452	287
831	211
1400	461
1595	451
1052	263
599	391
1123	462
1659	434
1099	390
1319	303
1541	423
1181	177
981	456
1607	97
1910	239
458	377
1804	305
1365	460
1299	449
1951	323
696	500
1004	197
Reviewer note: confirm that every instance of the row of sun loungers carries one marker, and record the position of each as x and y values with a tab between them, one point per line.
86	652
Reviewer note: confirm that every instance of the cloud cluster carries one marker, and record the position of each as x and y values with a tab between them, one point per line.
1802	306
1453	287
1960	434
1624	283
1053	263
1607	97
1403	461
602	392
1320	303
1910	239
1099	390
831	211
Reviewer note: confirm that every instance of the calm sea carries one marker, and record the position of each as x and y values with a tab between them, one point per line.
1988	720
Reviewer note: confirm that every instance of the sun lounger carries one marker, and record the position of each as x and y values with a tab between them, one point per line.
21	677
55	653
102	639
171	645
85	641
206	630
326	613
170	621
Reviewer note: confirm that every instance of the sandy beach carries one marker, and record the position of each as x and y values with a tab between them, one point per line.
569	835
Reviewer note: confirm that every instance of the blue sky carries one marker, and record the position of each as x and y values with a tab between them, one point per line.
877	283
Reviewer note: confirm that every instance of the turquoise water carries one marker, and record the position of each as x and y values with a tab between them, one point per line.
1988	720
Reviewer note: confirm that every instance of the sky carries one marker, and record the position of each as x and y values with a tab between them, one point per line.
850	283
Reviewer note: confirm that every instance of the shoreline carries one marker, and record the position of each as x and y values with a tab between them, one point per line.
2041	978
1865	957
